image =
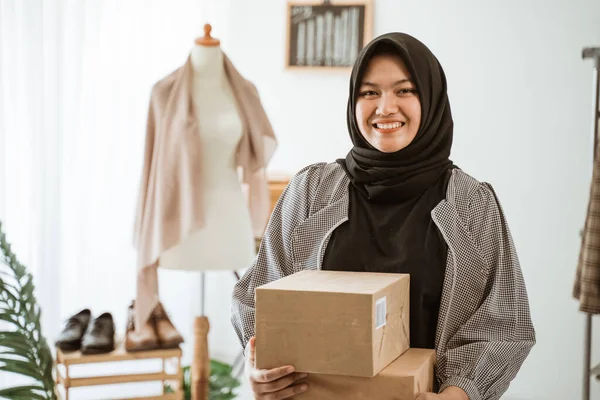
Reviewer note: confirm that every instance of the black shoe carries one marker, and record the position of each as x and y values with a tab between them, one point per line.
70	337
100	336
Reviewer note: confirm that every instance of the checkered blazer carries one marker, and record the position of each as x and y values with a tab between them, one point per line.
484	332
587	279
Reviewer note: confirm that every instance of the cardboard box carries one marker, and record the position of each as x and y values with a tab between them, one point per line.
410	374
333	322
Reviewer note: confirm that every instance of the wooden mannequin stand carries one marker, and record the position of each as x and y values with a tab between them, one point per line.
201	363
200	374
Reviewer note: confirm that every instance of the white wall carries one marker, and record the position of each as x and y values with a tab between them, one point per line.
521	98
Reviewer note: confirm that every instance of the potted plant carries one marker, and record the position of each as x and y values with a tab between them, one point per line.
23	349
222	382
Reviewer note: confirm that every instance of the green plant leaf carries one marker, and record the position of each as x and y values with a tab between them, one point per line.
216	365
18	397
9	317
21	345
15	340
223	380
9	294
20	367
11	284
17	337
169	389
23	349
25	392
20	356
223	396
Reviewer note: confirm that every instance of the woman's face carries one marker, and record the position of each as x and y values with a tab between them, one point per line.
388	111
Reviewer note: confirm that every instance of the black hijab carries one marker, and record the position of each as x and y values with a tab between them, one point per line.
407	173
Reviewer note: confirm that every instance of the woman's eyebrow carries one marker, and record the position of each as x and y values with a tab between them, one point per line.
366	83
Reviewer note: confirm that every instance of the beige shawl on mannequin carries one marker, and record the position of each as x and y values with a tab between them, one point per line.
170	198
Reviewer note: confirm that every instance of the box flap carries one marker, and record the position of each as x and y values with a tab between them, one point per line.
334	282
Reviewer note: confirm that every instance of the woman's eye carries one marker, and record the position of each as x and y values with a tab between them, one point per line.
407	91
368	93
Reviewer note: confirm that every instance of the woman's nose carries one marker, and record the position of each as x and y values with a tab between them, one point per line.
387	106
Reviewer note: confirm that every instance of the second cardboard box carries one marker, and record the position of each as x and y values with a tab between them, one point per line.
407	376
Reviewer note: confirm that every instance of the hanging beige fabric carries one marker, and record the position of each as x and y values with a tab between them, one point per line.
170	199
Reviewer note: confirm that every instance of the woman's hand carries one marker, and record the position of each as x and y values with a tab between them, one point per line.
272	384
429	396
450	393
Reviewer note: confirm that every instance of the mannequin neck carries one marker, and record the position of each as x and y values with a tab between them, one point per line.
207	63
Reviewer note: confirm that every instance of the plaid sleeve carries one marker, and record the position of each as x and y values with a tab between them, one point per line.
274	258
487	351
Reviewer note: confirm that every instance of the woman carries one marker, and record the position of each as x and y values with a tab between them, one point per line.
396	203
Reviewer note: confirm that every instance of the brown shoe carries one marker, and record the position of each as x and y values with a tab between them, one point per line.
168	336
146	339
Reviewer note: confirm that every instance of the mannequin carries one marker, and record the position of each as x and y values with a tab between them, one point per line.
203	192
226	241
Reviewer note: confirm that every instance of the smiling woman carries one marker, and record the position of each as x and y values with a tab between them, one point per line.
397	204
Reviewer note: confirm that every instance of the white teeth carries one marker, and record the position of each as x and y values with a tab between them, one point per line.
394	125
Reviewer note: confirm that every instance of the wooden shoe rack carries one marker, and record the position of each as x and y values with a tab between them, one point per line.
66	360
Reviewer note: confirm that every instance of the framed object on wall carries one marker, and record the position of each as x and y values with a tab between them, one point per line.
327	35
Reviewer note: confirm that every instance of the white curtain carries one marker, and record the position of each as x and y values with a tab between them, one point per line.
75	79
